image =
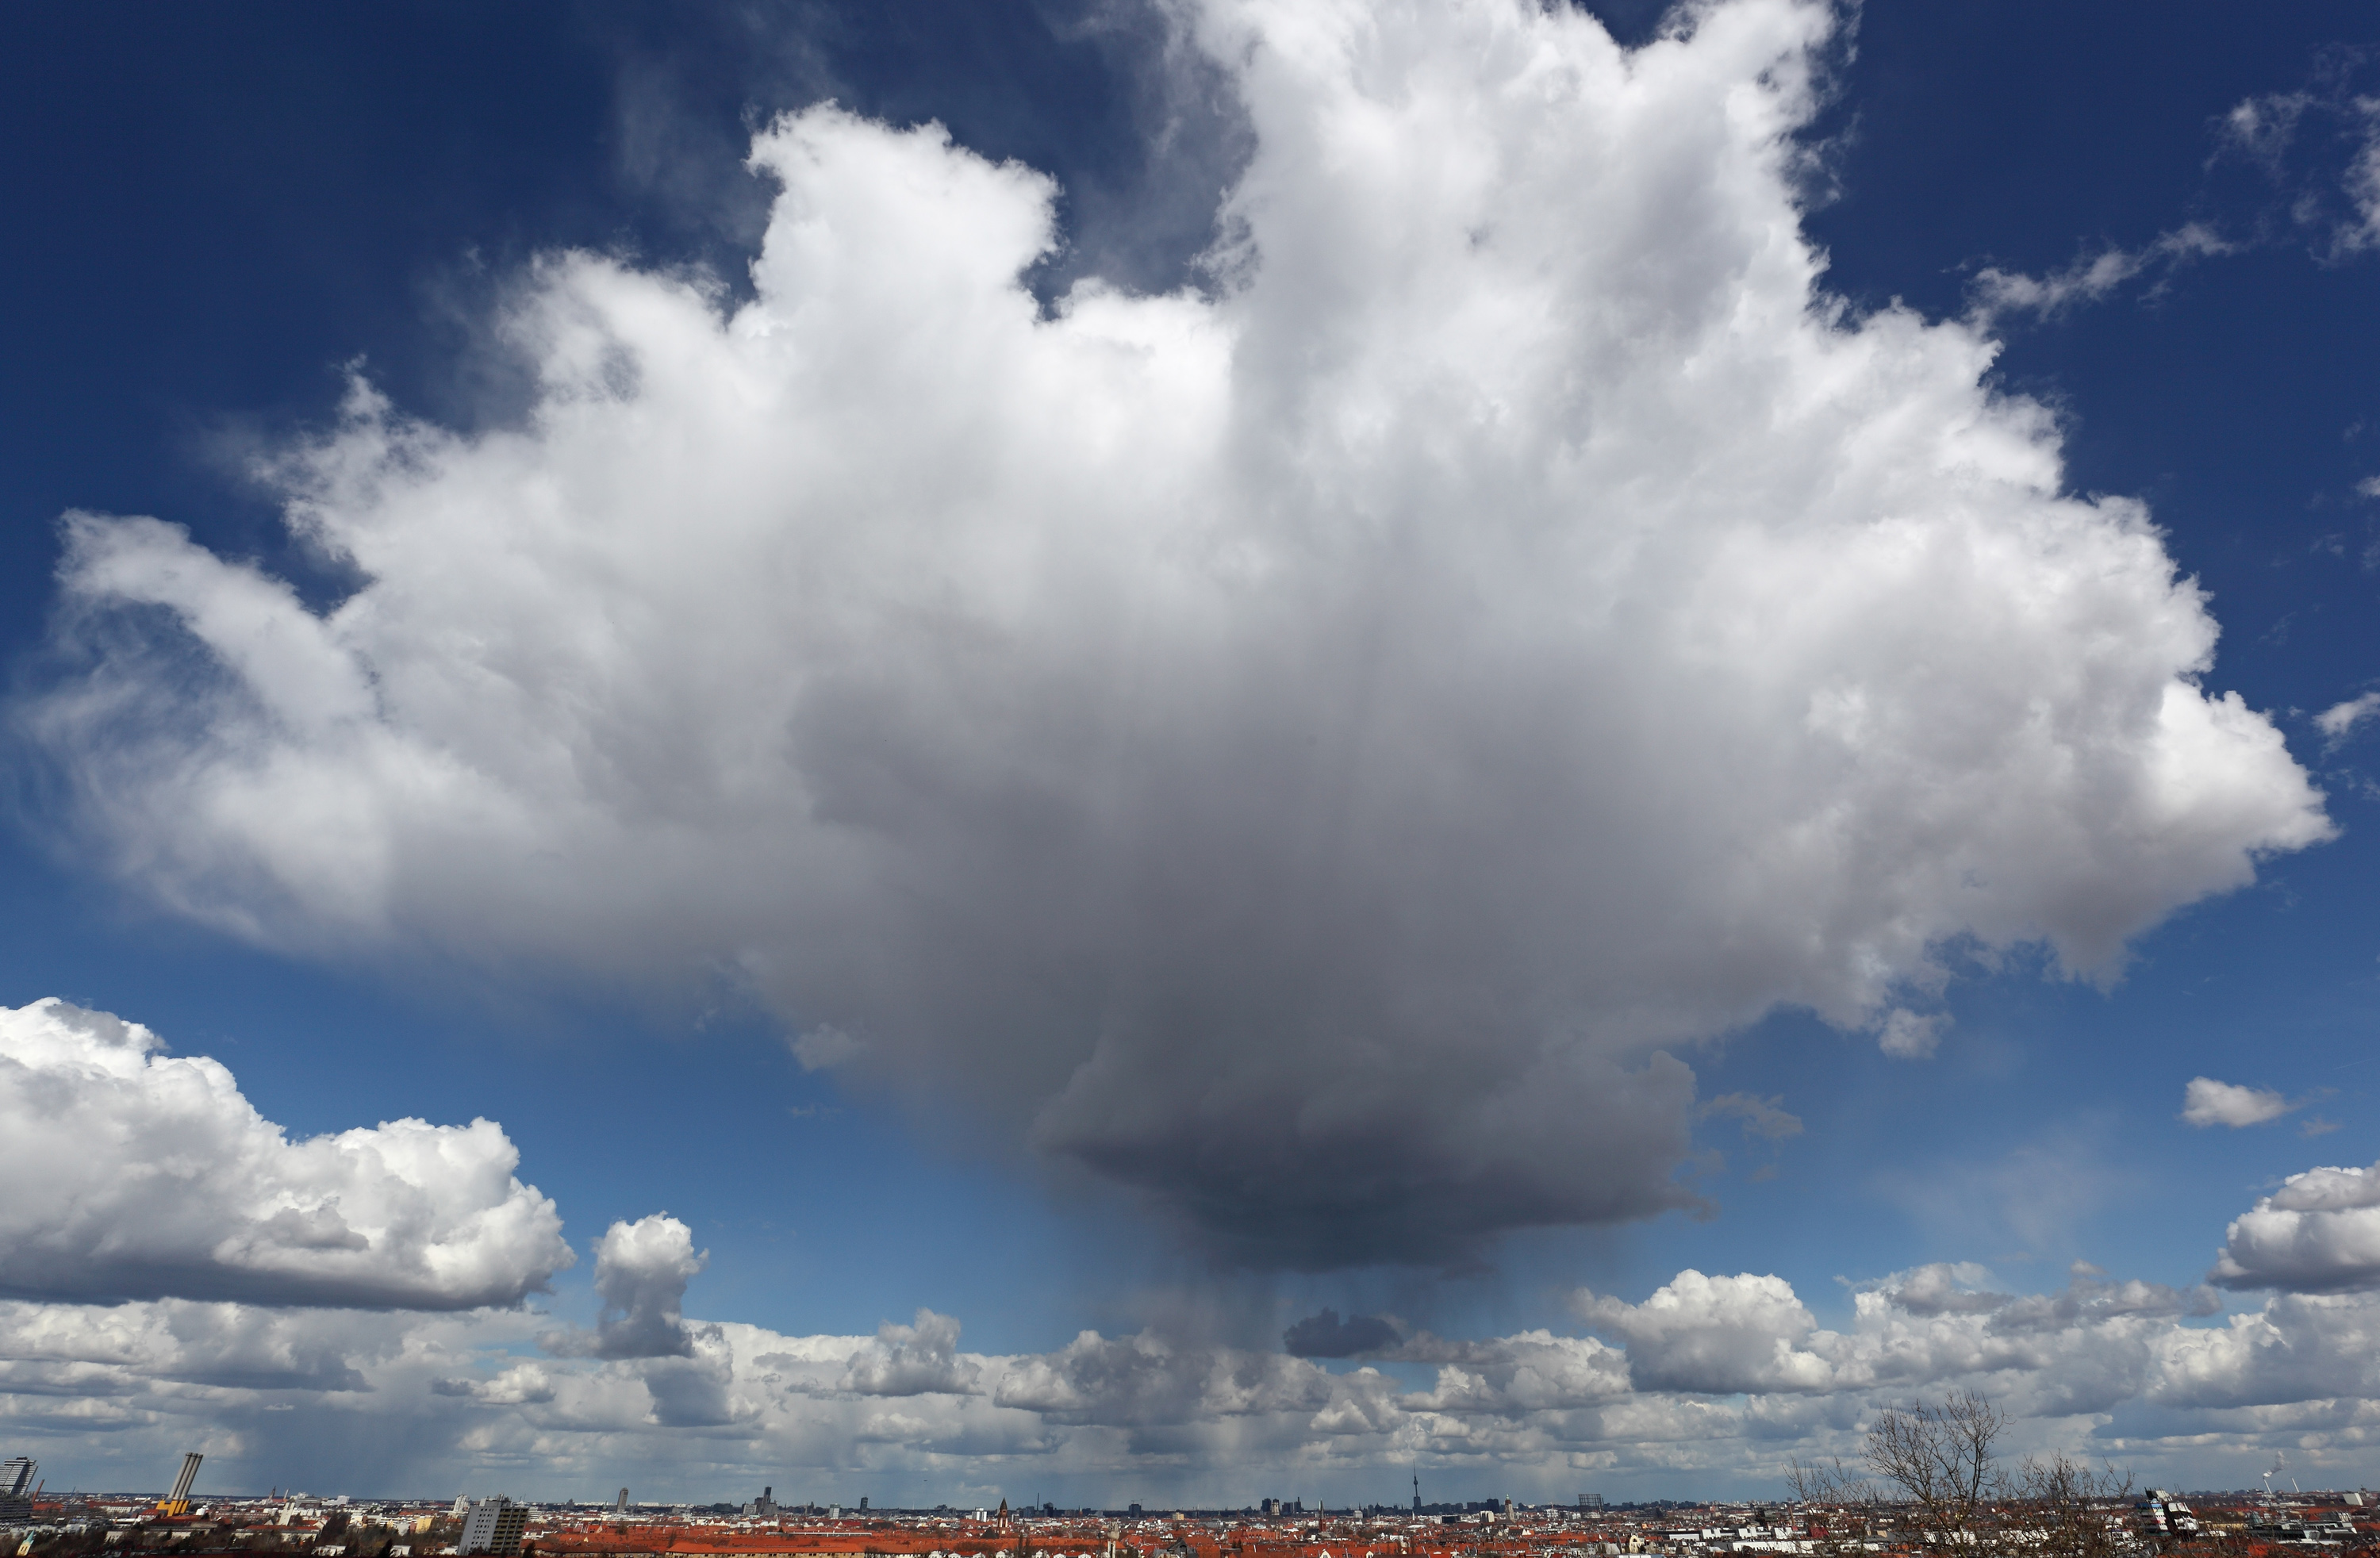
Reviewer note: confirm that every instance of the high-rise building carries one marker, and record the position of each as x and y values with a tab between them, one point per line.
493	1525
621	1507
16	1488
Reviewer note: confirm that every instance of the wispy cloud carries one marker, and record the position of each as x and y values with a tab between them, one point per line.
2093	277
2314	152
1764	1117
2341	720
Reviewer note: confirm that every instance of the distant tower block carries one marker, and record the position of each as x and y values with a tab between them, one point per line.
178	1501
622	1506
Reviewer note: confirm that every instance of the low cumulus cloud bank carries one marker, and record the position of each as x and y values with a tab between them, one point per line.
1309	750
314	1371
1710	1380
136	1174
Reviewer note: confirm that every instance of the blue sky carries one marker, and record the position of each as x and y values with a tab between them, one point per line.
1059	936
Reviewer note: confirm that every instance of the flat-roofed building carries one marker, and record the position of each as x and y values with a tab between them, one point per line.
493	1525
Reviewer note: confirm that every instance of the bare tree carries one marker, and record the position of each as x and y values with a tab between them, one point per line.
1827	1485
1836	1505
1935	1463
1939	1455
2061	1498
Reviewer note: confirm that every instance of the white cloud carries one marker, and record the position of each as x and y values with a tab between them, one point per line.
2087	1348
2319	146
2206	1102
136	1174
1303	752
2262	127
1149	1378
1765	1118
1907	1035
2339	720
1942	1288
2091	279
2363	179
2319	1232
916	1359
1533	1371
2298	1348
641	1270
443	1396
1714	1335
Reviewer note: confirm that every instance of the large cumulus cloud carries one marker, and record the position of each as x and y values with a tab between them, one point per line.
641	1270
2319	1232
136	1174
1715	1334
1308	750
